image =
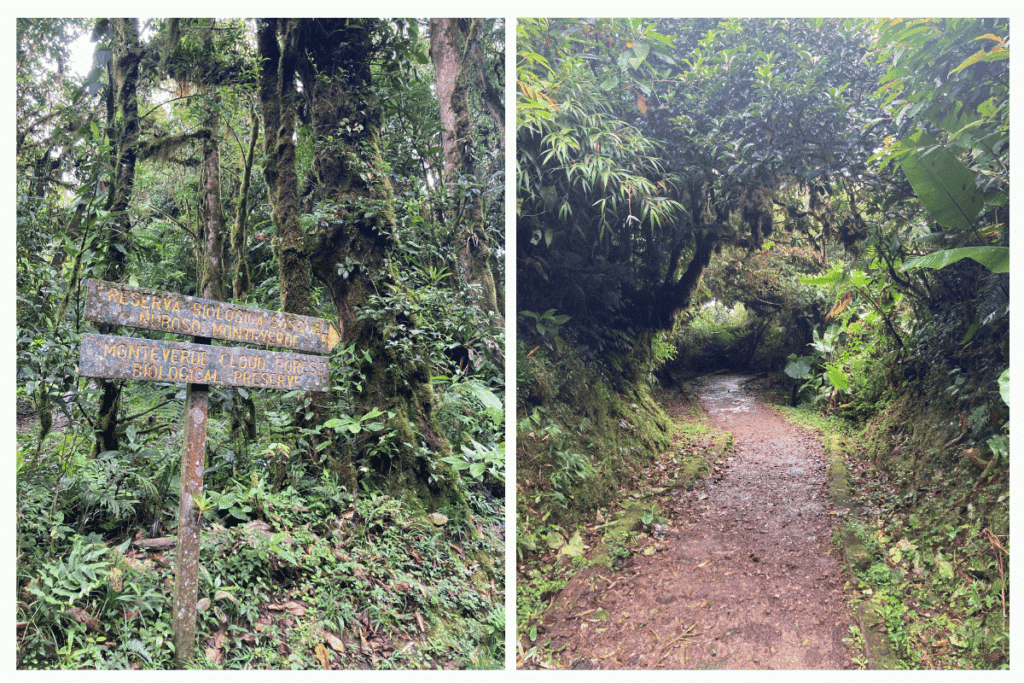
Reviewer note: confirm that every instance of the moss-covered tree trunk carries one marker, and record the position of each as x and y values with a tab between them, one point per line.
332	59
123	116
277	96
239	231
280	47
211	279
455	54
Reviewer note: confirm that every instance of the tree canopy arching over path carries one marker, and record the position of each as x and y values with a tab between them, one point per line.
825	201
640	140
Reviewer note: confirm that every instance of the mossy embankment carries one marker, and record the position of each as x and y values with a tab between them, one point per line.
578	436
581	437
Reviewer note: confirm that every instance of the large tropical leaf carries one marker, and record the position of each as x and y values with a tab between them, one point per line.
799	367
996	259
942	182
837	378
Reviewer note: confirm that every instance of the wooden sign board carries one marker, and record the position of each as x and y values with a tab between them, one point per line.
110	302
115	357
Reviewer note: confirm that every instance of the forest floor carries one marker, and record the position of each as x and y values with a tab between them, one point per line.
738	573
379	586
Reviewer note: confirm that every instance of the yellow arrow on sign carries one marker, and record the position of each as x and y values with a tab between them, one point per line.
332	337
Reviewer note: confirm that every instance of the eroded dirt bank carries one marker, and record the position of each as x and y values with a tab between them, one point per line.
744	577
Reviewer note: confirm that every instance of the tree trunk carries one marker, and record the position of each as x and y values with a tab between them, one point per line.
243	411
124	84
277	101
211	278
455	54
239	237
332	58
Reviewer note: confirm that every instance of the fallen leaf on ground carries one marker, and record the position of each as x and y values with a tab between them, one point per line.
322	655
83	617
291	607
334	641
363	645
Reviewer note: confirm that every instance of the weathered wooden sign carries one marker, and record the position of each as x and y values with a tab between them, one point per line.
166	361
199	365
119	304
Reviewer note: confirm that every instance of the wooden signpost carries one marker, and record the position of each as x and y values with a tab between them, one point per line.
110	302
165	361
198	365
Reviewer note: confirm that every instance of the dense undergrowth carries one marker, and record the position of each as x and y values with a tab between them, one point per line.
298	574
297	570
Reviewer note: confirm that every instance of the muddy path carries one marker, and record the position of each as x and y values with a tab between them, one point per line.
744	575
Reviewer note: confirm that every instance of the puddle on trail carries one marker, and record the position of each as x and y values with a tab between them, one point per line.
724	394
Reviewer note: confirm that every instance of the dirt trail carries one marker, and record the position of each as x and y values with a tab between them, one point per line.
745	578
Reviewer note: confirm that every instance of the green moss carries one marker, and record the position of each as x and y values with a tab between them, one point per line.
616	536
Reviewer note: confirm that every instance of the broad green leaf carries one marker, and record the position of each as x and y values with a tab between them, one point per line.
1004	386
944	185
494	405
374	412
838	378
996	259
456	462
610	83
574	548
798	369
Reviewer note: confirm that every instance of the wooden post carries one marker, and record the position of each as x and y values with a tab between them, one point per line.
186	565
